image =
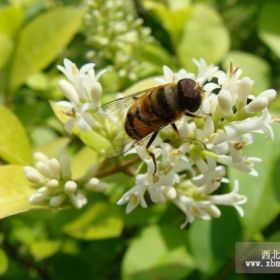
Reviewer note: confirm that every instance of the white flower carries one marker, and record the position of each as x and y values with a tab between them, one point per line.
196	209
55	187
134	196
83	92
233	199
191	167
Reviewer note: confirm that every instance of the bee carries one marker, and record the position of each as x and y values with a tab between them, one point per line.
146	112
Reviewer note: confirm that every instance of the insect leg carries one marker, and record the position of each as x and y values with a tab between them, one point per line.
192	115
189	139
154	135
175	129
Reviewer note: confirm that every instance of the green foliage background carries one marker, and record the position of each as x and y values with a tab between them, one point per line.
100	241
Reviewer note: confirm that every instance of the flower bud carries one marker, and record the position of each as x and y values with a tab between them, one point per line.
244	89
70	186
52	184
37	198
78	200
57	200
43	169
41	157
54	168
256	105
94	184
33	175
225	102
69	91
270	94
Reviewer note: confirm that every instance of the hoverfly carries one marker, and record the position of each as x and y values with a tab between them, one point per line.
145	113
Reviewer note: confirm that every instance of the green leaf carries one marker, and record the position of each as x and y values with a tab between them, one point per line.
253	66
14	191
6	47
205	36
10	20
172	19
154	54
42	40
263	192
73	267
275	237
159	252
214	241
98	221
54	148
3	262
84	159
44	249
14	144
268	25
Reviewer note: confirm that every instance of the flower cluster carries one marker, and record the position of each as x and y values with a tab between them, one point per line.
55	187
83	92
191	170
114	32
191	166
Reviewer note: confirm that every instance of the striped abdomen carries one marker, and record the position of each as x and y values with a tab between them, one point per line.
152	111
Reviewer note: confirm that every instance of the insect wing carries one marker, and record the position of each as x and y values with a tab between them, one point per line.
113	115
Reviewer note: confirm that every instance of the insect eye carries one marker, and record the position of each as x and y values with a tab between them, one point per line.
191	94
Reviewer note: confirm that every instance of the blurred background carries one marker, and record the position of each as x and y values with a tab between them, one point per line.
133	40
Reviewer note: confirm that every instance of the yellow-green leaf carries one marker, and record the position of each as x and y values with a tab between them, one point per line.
3	262
45	248
42	40
14	143
10	20
204	36
160	252
85	158
14	191
99	221
6	47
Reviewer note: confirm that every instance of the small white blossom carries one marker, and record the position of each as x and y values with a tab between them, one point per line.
83	92
134	196
55	187
192	167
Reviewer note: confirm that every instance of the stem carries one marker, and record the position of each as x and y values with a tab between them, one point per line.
123	167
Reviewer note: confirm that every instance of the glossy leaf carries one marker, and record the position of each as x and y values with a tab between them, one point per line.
54	148
38	45
84	159
268	25
204	36
153	54
159	252
263	192
214	241
14	191
6	47
253	66
44	249
14	143
98	221
3	262
173	19
10	20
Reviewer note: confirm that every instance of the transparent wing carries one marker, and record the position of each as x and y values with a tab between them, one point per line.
111	118
121	105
